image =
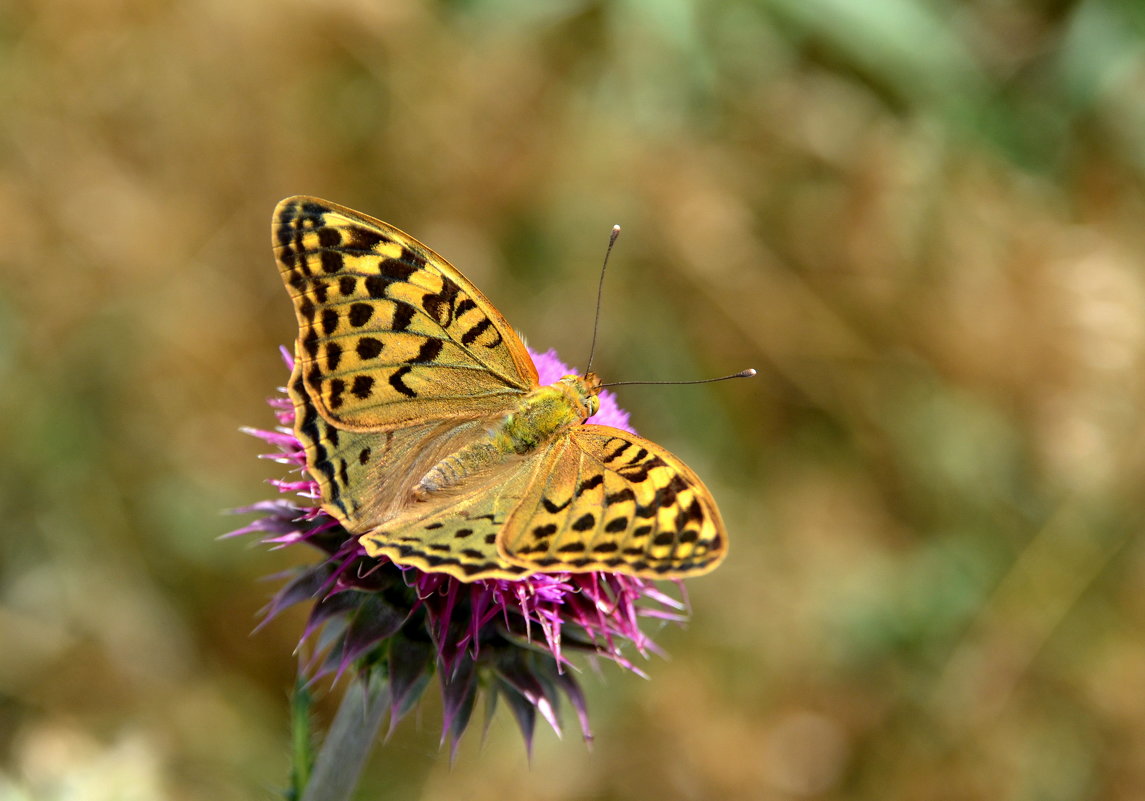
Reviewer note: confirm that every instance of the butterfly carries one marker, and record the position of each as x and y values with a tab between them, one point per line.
431	438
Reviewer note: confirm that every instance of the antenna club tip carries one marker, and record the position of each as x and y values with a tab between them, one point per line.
748	373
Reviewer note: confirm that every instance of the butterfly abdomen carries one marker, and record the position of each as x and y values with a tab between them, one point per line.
541	415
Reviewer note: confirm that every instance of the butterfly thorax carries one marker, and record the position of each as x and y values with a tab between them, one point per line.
541	414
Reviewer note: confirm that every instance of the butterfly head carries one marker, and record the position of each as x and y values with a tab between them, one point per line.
583	392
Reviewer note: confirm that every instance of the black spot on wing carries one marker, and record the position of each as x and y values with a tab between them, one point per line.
620	496
397	269
403	316
592	482
470	336
363	386
410	256
376	286
664	496
284	230
398	383
360	314
640	454
314	377
694	512
639	472
359	238
621	447
337	388
428	353
616	525
310	342
553	508
368	347
585	522
440	305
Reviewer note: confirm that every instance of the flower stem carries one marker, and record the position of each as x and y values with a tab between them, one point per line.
349	741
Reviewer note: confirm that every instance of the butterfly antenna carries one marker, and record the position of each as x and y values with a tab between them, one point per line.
600	294
748	373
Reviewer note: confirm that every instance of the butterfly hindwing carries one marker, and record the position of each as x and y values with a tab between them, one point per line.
390	334
366	477
458	534
609	500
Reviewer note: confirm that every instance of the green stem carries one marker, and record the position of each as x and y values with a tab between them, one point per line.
348	743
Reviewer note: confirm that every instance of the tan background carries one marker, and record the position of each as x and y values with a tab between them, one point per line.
923	222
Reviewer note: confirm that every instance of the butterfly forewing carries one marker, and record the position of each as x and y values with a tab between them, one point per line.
612	501
390	334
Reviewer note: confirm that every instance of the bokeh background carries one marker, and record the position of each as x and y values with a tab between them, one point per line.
922	221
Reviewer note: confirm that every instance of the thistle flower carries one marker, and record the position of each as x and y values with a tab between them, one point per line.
394	626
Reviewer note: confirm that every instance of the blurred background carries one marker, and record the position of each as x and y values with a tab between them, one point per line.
922	221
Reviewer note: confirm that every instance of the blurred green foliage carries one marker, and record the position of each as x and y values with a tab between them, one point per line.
920	220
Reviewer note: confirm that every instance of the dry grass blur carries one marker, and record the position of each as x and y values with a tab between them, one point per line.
922	221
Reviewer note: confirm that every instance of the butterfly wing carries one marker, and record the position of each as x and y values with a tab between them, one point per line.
366	477
398	356
458	534
390	334
605	499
